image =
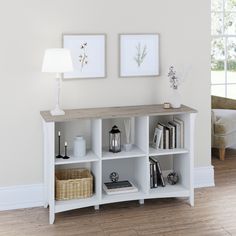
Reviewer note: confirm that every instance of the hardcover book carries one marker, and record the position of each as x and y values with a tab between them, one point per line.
119	187
163	184
161	127
172	136
151	175
167	138
155	175
157	138
175	125
181	124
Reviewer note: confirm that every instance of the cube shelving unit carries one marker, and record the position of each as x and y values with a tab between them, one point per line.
94	124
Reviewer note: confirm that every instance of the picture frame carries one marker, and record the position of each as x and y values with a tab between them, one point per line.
88	52
139	55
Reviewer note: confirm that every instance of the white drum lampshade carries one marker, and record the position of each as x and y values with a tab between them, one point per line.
57	60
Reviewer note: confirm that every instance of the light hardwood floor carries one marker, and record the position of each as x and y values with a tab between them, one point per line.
214	214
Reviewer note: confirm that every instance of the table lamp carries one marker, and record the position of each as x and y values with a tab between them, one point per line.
57	60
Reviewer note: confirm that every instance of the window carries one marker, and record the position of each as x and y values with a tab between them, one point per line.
223	48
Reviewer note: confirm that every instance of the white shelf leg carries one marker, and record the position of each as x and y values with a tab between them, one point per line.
96	207
45	160
141	201
191	149
51	168
51	217
191	201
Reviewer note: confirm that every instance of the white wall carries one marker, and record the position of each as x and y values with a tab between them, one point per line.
29	27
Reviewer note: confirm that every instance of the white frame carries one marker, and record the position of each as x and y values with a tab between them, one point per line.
100	53
225	38
132	69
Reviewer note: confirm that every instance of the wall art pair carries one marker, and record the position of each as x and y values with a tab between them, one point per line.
139	55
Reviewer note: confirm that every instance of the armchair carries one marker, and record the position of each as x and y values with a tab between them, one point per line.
223	124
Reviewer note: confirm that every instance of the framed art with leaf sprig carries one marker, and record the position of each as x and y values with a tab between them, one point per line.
139	55
88	54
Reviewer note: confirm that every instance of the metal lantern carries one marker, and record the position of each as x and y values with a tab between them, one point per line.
114	140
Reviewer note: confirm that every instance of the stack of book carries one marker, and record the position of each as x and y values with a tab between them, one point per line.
169	135
156	177
119	187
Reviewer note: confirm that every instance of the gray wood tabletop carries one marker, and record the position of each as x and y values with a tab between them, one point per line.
115	112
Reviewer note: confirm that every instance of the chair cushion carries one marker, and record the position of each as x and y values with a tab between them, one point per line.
225	121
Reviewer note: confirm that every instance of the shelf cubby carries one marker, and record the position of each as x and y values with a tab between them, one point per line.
180	164
133	170
95	169
139	135
153	121
90	129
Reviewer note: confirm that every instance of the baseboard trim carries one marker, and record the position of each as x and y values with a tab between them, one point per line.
204	177
27	196
23	196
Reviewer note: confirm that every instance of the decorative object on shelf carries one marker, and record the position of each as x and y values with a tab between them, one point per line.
114	177
66	157
173	178
59	145
174	84
139	55
73	184
128	145
79	146
57	60
88	54
114	140
166	105
119	187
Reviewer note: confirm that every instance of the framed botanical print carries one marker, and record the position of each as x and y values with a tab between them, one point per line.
88	54
139	55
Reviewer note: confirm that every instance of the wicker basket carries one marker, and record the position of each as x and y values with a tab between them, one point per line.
73	183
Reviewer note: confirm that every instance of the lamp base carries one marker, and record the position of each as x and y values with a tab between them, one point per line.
57	112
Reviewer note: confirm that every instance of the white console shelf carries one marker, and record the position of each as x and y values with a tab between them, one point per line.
94	124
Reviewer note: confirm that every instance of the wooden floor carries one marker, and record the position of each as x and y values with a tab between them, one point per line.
214	214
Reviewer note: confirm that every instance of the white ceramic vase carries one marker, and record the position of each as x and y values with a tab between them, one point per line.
175	99
127	146
79	146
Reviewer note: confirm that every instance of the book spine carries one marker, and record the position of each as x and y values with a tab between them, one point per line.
159	135
157	138
171	146
175	137
155	175
181	123
167	138
164	137
151	175
160	175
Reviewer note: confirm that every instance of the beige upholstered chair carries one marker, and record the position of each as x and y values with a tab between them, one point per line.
223	124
